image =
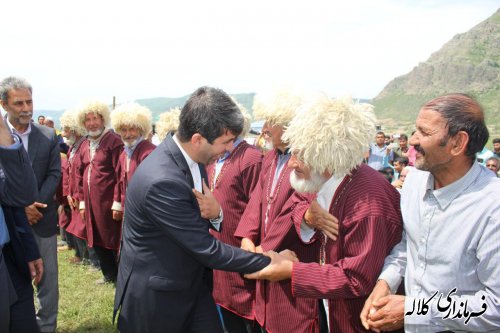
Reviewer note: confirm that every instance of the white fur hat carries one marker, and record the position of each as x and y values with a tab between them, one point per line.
168	121
132	114
332	135
278	107
93	106
69	119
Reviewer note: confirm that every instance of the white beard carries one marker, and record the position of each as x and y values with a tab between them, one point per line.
131	144
69	141
96	134
268	145
312	185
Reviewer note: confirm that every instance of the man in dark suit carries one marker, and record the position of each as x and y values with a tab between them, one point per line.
19	257
167	253
41	144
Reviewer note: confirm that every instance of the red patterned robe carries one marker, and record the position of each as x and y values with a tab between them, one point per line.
236	180
370	224
76	225
98	179
141	151
275	307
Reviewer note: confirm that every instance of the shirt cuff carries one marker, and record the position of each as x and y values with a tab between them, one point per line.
216	222
117	206
392	279
82	205
306	232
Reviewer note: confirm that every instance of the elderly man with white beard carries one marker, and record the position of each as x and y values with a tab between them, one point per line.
133	122
327	141
97	178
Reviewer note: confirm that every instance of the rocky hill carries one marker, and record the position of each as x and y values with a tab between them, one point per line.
468	63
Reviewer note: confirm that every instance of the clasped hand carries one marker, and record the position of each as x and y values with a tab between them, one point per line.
382	310
319	218
32	212
280	268
209	207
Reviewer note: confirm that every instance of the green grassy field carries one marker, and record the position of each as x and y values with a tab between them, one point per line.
83	305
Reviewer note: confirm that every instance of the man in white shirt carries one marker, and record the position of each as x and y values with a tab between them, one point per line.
450	251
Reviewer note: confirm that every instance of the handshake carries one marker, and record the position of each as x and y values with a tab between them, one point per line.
280	268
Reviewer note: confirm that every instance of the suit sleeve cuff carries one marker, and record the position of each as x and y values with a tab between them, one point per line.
16	145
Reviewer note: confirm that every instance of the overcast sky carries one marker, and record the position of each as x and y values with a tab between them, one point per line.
74	50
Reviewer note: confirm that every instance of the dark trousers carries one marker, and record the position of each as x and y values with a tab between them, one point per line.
88	255
107	261
236	324
22	312
70	239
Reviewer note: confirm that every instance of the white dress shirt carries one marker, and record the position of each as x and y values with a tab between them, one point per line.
24	136
197	181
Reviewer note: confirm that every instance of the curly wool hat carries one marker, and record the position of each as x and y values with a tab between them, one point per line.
134	115
277	108
69	119
93	106
168	121
332	134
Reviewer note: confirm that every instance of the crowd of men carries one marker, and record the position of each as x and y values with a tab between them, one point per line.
207	233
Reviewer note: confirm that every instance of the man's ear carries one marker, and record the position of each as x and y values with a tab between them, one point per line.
196	139
460	141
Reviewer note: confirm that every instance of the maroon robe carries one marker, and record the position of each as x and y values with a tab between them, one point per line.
141	151
370	224
275	308
238	177
76	225
98	190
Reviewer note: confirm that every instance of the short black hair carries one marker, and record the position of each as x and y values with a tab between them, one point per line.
496	140
210	112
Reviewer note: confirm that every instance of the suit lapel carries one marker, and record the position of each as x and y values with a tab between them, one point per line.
179	159
33	143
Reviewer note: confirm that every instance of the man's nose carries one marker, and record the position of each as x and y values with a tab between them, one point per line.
413	140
